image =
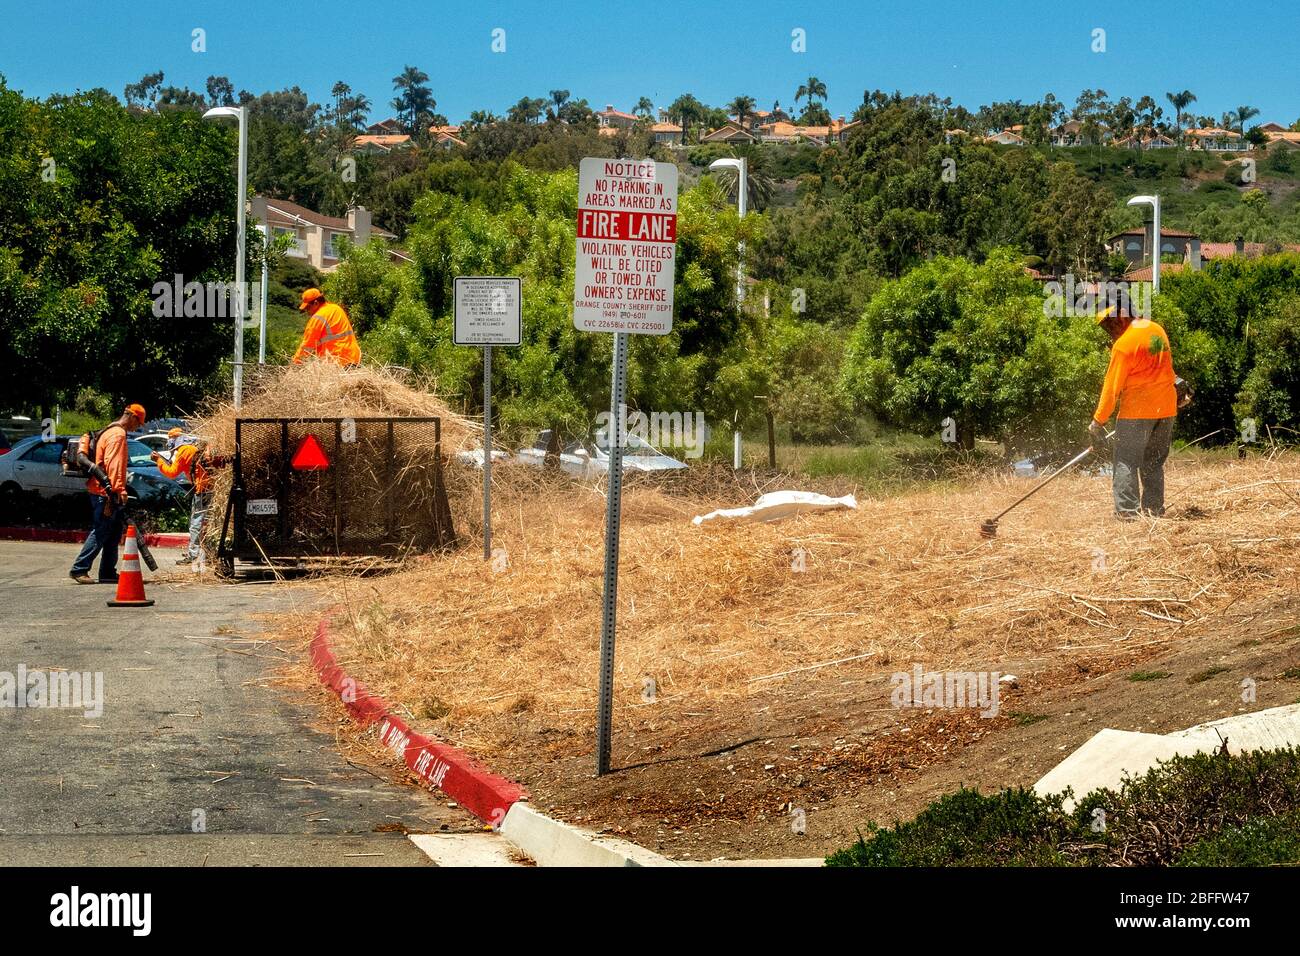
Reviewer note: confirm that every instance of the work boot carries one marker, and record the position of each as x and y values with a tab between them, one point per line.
82	578
112	580
1126	515
184	559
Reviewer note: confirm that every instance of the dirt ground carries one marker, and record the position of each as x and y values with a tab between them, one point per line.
741	730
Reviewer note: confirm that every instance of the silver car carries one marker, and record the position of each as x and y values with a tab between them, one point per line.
585	459
34	467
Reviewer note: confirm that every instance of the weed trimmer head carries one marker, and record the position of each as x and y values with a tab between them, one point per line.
989	528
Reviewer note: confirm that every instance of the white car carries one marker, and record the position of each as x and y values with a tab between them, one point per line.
34	467
587	459
475	457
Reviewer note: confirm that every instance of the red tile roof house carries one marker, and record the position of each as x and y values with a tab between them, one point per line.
1216	140
729	133
316	237
665	132
371	143
616	119
388	127
1136	246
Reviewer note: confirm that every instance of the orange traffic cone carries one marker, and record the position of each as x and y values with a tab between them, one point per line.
130	582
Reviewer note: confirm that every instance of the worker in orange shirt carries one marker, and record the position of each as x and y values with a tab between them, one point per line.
189	458
1141	382
107	500
328	332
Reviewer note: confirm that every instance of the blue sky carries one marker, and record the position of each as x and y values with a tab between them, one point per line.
975	51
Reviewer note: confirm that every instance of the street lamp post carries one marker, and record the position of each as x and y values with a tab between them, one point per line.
742	203
1154	203
239	113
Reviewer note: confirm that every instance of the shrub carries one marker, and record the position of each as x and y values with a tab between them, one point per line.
1206	809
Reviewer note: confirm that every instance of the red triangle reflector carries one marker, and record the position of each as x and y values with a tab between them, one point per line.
309	455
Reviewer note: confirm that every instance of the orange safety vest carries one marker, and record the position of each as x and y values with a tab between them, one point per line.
1140	378
186	462
329	333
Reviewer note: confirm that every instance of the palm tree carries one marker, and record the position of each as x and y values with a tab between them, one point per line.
644	107
742	106
1244	113
685	109
558	99
759	182
1180	102
480	118
527	110
414	97
340	91
813	89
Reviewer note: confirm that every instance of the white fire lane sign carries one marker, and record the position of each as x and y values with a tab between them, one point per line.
627	246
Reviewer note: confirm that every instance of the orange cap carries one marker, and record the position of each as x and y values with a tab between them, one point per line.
175	432
308	297
137	411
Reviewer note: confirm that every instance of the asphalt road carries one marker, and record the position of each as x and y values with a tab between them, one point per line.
197	757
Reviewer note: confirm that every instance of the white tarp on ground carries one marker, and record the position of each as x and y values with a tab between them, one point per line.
1110	755
780	504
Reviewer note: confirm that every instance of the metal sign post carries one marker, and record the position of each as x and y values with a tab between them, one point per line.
623	283
487	453
487	313
613	513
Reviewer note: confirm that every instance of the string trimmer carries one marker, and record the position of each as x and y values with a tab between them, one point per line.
989	528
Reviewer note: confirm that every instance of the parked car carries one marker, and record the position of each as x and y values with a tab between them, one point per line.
157	441
4	444
475	457
585	459
34	466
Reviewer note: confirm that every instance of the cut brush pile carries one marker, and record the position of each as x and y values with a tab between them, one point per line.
323	389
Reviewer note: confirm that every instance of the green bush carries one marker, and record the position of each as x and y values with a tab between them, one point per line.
1207	809
1269	841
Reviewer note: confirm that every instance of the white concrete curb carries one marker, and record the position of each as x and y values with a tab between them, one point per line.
552	843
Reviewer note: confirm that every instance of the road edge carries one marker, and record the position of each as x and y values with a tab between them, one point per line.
172	539
497	801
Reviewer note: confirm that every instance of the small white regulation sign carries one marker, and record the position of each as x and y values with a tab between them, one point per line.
487	311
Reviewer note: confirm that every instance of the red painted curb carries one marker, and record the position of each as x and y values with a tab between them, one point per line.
447	768
172	539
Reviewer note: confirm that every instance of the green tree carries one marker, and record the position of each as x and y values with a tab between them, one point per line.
1180	102
977	344
742	107
220	91
102	203
813	89
414	99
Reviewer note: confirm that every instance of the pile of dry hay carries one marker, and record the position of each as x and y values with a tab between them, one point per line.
323	389
710	613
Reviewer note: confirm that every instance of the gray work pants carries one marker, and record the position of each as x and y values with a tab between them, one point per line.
1141	447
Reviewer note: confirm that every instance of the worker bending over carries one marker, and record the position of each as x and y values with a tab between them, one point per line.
328	332
107	500
190	458
1141	382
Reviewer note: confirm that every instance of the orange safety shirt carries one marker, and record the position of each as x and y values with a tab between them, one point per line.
329	332
111	455
186	462
1140	378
